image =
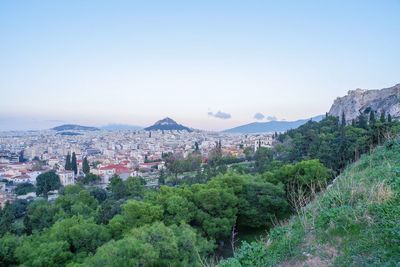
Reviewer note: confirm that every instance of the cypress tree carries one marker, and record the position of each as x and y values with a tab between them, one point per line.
68	165
74	166
362	121
85	166
372	119
343	120
389	118
383	119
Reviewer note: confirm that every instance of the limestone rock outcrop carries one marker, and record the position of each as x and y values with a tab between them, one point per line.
359	100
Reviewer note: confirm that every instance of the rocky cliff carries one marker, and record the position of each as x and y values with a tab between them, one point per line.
359	100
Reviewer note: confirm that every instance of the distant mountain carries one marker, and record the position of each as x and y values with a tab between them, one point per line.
271	126
167	124
74	127
119	127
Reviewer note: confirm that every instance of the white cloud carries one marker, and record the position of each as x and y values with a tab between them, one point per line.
220	115
259	116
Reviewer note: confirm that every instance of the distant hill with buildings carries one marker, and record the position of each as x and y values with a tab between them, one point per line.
74	127
119	127
167	124
271	126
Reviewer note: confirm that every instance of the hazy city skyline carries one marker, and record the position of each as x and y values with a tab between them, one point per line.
208	65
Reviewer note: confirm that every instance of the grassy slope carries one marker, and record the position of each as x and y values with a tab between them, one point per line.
355	222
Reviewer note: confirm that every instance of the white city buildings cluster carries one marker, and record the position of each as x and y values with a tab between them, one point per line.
125	153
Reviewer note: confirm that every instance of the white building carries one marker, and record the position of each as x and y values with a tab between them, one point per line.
265	141
66	177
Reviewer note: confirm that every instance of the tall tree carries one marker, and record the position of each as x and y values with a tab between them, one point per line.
343	124
362	121
46	182
161	178
383	117
74	165
372	119
68	165
85	166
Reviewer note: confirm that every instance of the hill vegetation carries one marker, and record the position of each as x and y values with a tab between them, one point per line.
355	222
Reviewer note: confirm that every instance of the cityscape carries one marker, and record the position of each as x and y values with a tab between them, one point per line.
25	155
199	133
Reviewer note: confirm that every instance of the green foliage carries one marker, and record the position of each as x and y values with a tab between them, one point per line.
24	188
262	158
68	164
153	245
125	252
90	178
357	218
75	200
8	245
217	209
74	165
134	214
85	166
42	254
40	215
46	182
82	235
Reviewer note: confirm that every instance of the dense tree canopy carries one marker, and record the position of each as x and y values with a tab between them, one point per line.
46	182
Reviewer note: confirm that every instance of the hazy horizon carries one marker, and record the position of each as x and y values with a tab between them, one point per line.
208	65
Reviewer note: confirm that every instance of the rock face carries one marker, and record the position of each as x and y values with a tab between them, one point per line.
359	100
167	124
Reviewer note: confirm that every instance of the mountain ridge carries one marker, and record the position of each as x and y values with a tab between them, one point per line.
271	126
74	127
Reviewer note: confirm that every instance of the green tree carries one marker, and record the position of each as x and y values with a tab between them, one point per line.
82	235
68	164
134	214
175	245
90	178
40	215
6	219
383	117
216	210
74	165
37	251
8	245
24	188
372	119
262	158
85	166
343	120
117	187
161	177
125	252
135	187
46	182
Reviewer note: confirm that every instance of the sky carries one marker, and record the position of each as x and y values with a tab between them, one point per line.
207	64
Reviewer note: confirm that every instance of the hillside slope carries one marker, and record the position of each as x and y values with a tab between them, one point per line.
355	222
271	126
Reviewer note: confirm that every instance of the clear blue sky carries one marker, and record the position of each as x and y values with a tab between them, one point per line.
98	62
